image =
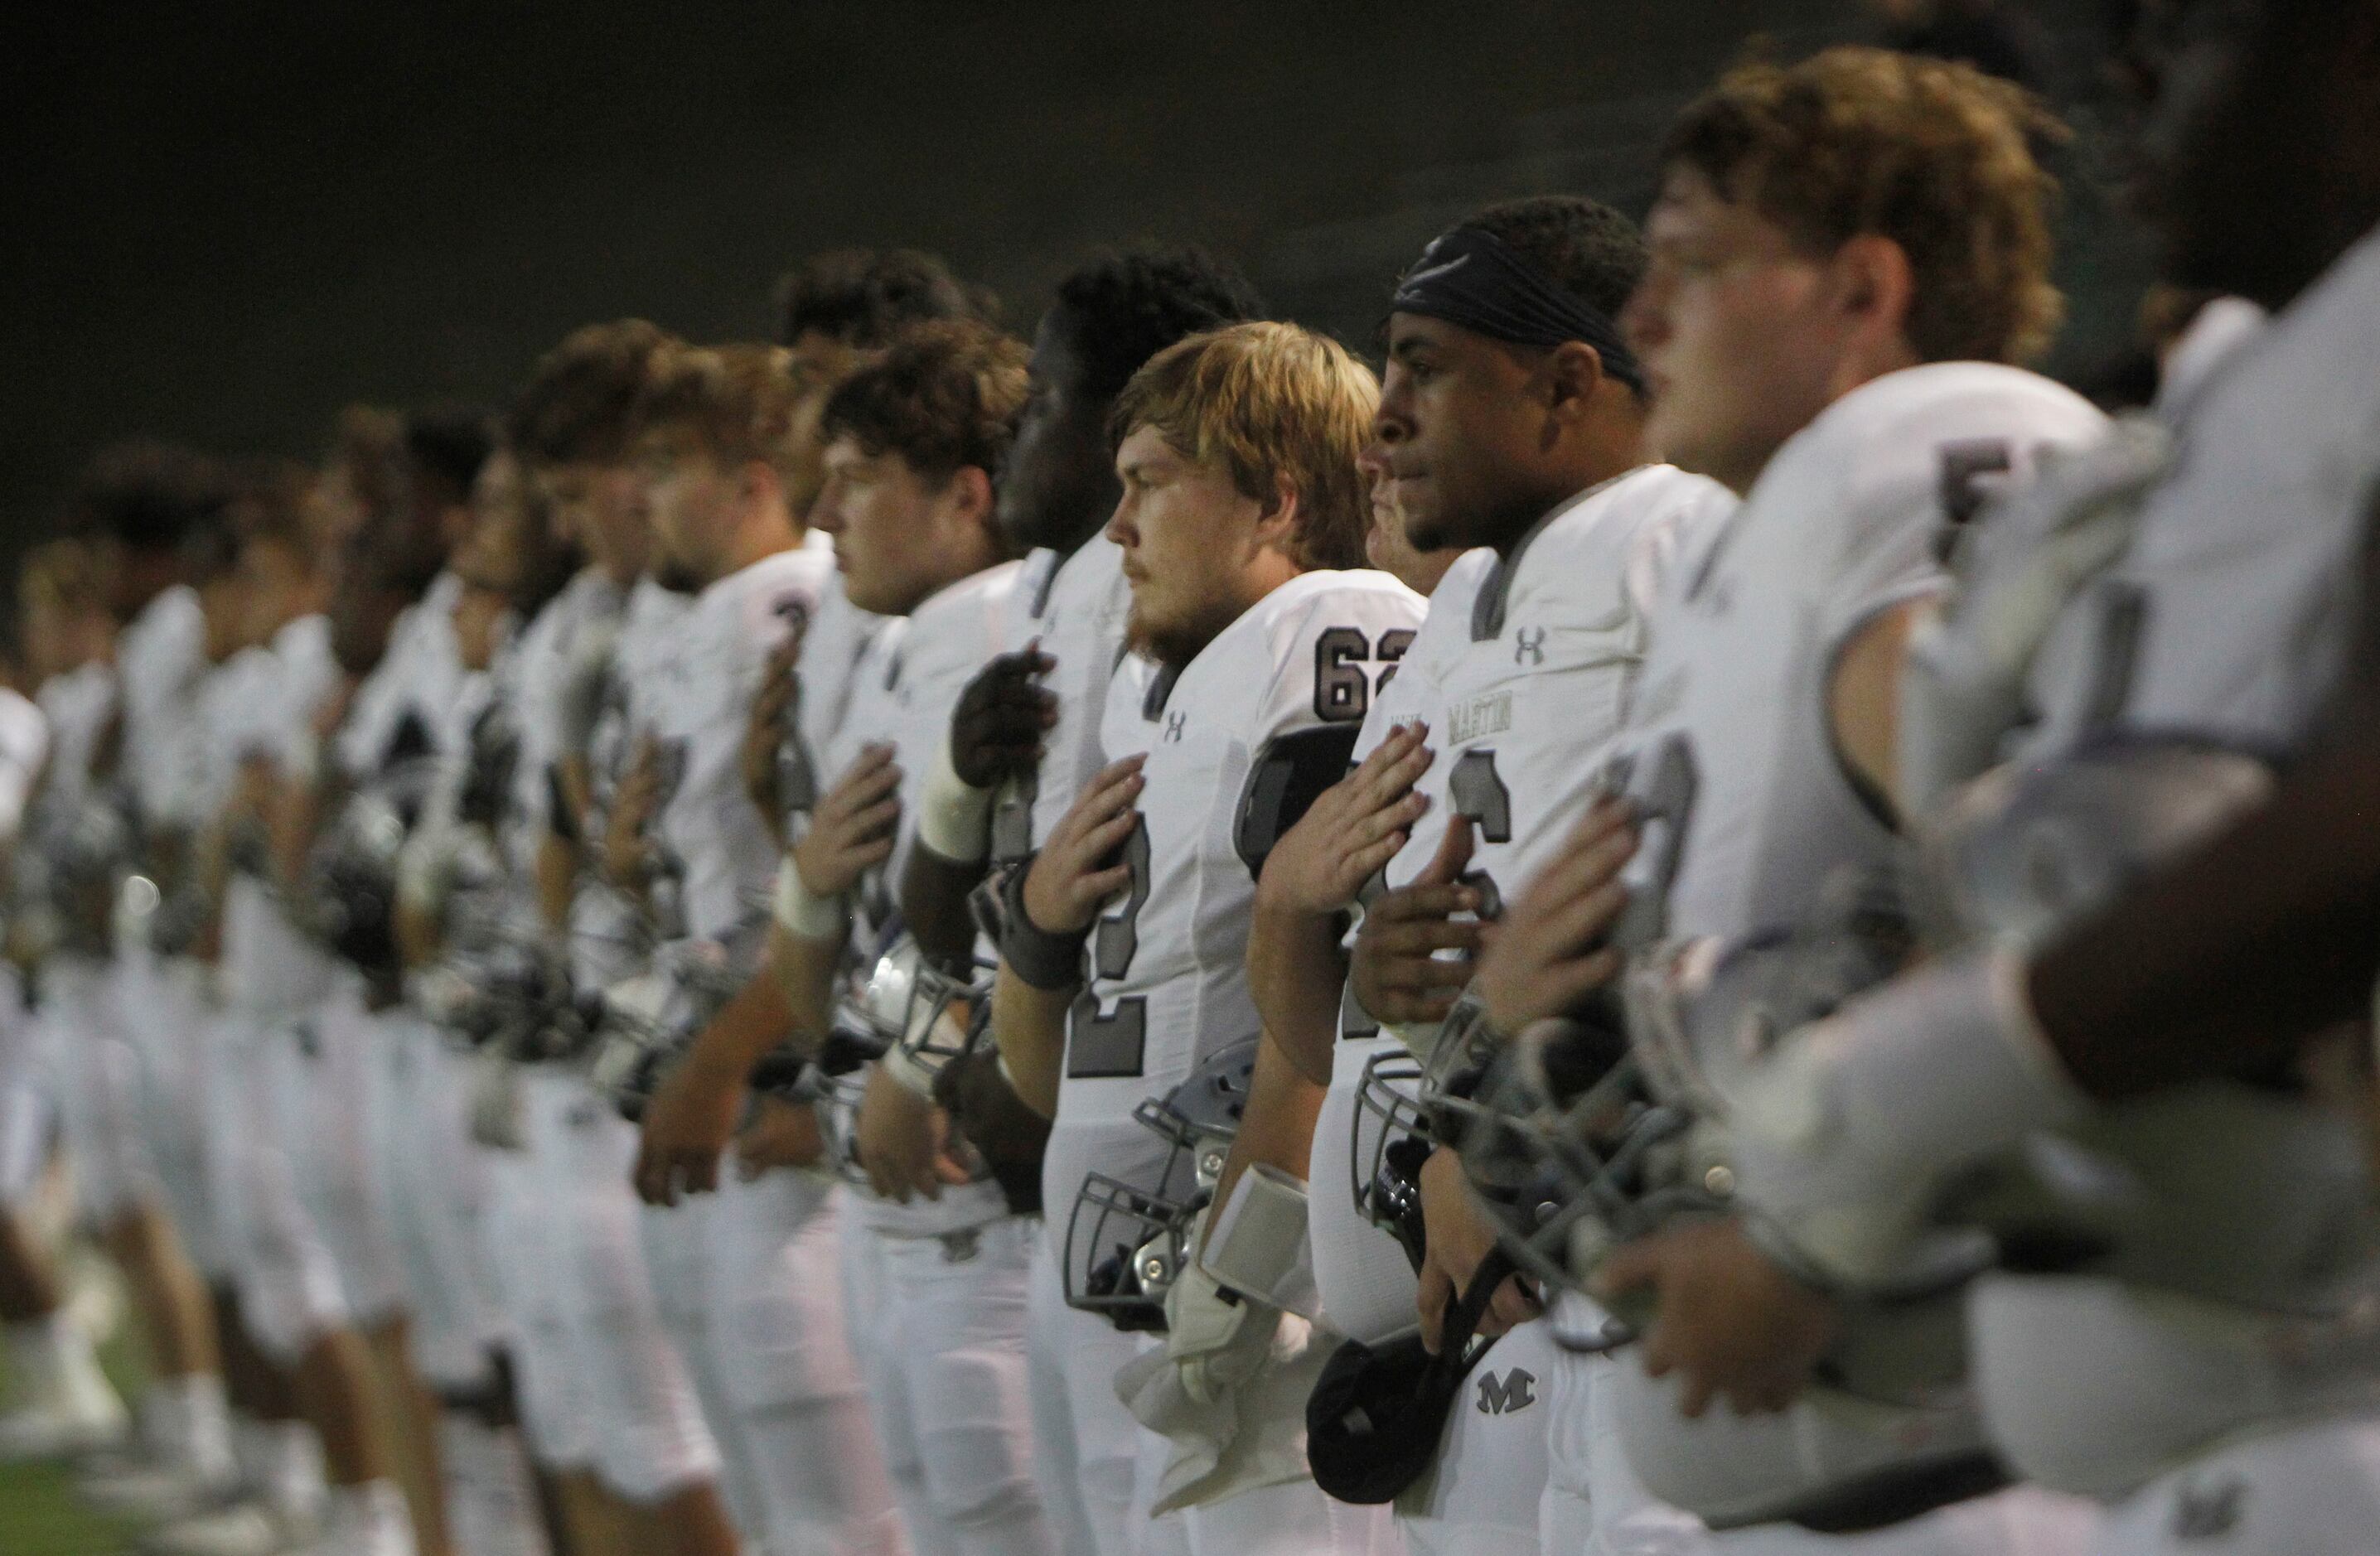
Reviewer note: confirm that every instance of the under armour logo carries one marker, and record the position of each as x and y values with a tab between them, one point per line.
2208	1511
1529	645
1173	723
1515	1390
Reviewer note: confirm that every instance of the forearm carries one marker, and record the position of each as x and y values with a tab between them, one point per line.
934	902
1029	1027
801	976
749	1027
2230	959
1277	1127
1298	975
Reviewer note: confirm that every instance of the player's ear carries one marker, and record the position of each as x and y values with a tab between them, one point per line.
1569	376
1277	524
757	484
1874	288
969	494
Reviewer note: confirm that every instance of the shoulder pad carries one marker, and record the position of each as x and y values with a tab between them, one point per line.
1286	778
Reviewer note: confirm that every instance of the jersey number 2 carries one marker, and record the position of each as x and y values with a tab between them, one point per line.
1110	1045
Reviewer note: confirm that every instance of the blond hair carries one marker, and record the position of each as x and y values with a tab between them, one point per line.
1268	402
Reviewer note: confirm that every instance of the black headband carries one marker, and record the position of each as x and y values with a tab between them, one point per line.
1473	279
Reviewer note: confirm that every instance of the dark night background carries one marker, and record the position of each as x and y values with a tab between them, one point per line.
229	220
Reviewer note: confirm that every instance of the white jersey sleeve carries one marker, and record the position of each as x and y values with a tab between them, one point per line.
1168	961
1745	806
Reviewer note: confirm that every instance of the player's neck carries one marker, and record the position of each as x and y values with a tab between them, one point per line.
762	534
1600	455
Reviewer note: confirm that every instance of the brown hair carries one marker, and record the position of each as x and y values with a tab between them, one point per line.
580	402
737	403
945	396
1267	401
1934	155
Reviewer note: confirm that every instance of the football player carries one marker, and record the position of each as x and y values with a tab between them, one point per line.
2218	613
1241	499
756	1264
60	1403
139	508
1026	732
1843	362
610	1397
1510	419
933	1284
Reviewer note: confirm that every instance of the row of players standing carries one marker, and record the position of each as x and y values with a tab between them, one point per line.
1741	660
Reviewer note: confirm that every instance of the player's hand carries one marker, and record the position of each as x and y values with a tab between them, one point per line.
1397	973
1350	832
782	1132
1549	952
1458	1237
1078	870
1728	1320
902	1139
764	732
632	811
687	1124
854	826
996	730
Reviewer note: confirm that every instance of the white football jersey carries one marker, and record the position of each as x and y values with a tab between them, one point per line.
1168	961
1525	693
262	703
2231	614
1076	607
160	657
950	636
905	700
532	679
1745	808
700	702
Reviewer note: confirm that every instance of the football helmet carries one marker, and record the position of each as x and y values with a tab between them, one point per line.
349	900
643	1023
1126	1243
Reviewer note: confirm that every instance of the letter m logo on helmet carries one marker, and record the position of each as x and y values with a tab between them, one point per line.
1516	1390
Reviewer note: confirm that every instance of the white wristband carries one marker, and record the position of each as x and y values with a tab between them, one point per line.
803	915
953	818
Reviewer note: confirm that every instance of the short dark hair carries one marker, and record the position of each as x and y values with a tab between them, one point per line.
945	396
445	447
864	297
1582	246
1936	157
1125	308
148	496
579	402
